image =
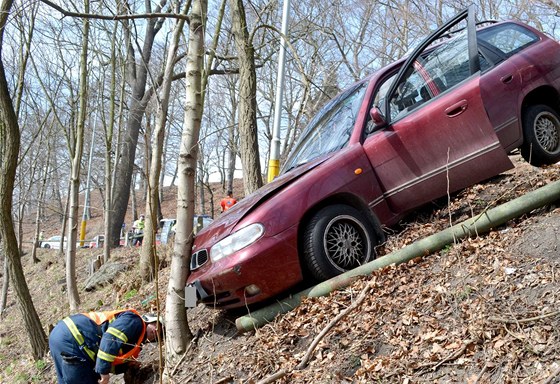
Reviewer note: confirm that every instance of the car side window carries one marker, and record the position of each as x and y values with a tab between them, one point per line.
508	38
435	71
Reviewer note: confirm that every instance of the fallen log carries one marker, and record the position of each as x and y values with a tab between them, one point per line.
472	227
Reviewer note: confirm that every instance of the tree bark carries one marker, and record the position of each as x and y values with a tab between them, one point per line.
40	203
74	197
5	281
9	147
138	103
247	116
148	257
109	133
178	332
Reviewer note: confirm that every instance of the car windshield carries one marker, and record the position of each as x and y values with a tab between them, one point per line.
330	129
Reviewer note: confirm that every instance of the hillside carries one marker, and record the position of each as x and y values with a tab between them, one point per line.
481	311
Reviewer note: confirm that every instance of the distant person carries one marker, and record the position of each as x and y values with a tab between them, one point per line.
87	347
138	230
228	202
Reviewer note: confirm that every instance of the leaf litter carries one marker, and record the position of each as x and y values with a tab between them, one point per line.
483	310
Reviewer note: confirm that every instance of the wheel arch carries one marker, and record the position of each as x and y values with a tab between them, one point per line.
545	94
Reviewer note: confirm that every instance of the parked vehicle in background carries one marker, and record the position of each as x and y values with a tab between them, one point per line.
167	227
97	242
201	221
52	242
440	120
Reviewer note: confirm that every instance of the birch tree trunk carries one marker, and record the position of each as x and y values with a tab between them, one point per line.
178	332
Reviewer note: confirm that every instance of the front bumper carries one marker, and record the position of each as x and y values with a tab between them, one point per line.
260	271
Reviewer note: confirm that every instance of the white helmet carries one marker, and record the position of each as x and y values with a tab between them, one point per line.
152	318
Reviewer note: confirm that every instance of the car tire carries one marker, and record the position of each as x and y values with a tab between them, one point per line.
338	238
47	246
541	134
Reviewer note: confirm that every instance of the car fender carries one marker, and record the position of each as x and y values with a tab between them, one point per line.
310	191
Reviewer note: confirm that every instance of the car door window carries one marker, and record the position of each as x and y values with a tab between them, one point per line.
435	71
508	38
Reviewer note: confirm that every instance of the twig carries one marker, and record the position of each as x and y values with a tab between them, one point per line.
329	326
455	355
527	320
449	357
484	369
272	378
224	380
552	376
283	372
193	341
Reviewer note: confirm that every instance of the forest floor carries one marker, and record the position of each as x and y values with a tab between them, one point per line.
483	310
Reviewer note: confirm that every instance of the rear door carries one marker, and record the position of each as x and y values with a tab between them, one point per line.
501	85
438	138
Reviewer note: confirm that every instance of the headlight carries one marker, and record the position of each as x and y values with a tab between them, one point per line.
236	241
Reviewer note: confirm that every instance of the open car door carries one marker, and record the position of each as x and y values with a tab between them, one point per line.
435	136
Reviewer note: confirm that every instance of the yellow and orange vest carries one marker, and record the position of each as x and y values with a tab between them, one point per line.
100	318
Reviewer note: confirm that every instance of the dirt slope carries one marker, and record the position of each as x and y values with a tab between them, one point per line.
481	311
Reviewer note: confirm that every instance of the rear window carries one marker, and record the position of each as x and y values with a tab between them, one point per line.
508	38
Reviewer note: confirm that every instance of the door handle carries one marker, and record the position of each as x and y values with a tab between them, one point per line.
506	79
457	108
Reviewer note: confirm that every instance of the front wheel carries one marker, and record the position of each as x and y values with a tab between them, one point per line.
541	134
337	239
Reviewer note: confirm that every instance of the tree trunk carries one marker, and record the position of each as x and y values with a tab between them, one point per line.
9	147
109	132
178	332
138	103
247	117
5	281
74	197
64	215
40	202
134	201
148	257
56	190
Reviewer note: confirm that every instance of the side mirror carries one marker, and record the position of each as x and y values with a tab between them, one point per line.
377	117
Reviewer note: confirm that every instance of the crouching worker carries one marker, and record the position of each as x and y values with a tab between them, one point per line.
87	347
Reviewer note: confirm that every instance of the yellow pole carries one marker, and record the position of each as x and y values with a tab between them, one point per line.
273	169
83	232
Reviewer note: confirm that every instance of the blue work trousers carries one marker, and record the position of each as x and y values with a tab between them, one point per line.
72	364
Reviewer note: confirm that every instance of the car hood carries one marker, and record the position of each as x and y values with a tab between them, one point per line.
226	223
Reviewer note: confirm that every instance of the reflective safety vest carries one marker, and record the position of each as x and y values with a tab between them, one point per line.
100	318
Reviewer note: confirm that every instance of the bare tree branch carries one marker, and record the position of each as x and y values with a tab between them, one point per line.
155	15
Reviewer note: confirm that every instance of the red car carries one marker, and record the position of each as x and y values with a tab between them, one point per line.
442	119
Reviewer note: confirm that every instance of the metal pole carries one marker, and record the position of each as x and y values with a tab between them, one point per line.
274	162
